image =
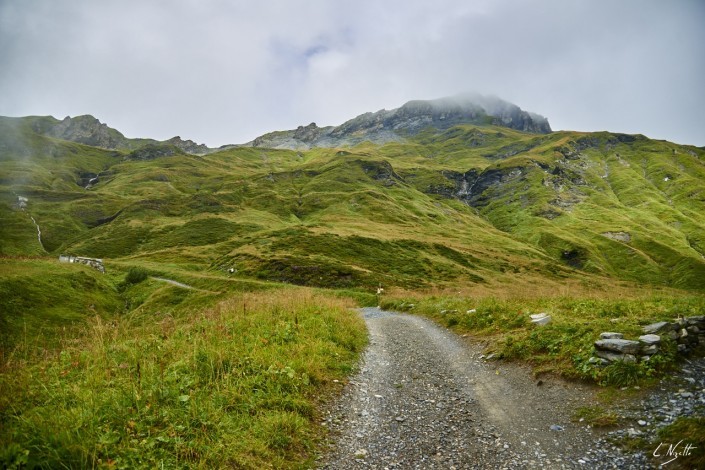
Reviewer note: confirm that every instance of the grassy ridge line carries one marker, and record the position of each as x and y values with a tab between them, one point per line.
233	385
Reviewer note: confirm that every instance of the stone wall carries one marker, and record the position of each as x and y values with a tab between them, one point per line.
688	333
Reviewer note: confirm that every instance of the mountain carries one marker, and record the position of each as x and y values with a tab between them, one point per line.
88	130
399	124
434	193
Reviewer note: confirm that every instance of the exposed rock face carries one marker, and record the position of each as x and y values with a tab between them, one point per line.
413	117
152	151
87	130
623	237
380	171
308	133
90	131
188	146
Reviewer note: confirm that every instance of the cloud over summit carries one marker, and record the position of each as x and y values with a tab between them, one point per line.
222	72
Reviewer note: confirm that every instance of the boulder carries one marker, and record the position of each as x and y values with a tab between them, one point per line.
623	346
609	356
612	356
648	340
611	335
650	350
657	327
598	361
695	319
540	319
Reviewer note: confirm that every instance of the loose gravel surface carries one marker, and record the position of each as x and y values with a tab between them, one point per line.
426	398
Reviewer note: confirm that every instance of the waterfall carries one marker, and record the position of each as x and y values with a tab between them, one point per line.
22	204
39	232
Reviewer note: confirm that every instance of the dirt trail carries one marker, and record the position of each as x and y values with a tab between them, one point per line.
173	282
425	398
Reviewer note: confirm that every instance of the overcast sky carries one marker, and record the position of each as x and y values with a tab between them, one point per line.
227	71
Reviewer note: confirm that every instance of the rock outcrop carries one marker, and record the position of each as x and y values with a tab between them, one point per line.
90	131
188	146
152	151
87	130
415	116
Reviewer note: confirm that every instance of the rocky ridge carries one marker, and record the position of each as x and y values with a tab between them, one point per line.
413	117
88	130
381	127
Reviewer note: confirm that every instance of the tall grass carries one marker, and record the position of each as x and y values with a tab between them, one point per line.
234	385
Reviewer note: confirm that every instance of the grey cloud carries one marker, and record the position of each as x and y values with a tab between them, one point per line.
222	72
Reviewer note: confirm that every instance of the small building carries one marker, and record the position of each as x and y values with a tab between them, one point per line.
94	263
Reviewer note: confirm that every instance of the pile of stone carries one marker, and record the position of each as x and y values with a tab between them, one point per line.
688	333
94	263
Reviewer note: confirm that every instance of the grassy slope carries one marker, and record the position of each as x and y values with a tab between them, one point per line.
40	298
233	385
370	214
652	190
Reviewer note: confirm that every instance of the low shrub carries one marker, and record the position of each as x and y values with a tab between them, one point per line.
135	275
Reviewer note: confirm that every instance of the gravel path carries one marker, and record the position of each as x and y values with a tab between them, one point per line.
425	398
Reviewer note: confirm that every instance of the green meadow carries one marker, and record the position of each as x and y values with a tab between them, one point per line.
273	247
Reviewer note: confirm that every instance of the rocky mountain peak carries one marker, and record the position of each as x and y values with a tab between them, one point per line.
87	130
308	133
469	108
188	146
398	124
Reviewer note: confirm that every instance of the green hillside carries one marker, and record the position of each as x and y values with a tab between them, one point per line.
468	204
